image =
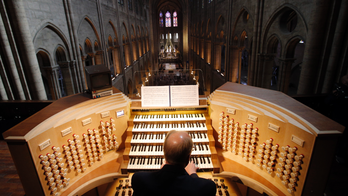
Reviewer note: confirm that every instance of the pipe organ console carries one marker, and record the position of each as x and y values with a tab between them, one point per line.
148	127
256	137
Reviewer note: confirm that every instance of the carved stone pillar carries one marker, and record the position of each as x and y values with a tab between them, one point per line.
128	57
67	77
3	94
116	59
217	57
316	37
13	75
28	58
197	46
284	74
234	64
208	51
135	50
53	81
84	72
266	63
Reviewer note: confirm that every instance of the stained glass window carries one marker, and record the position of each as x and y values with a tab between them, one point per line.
175	19
161	19
203	3
168	19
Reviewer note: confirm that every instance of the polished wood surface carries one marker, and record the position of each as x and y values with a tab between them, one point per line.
320	121
318	133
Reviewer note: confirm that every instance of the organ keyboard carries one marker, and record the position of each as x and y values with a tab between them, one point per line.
168	117
148	129
259	137
183	126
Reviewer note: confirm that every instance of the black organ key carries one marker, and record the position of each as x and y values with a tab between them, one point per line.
203	160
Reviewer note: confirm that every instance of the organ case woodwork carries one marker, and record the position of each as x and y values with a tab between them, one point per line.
264	138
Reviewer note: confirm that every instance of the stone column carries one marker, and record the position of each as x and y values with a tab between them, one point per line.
74	76
9	62
83	59
67	77
266	65
56	84
234	63
337	49
26	50
284	74
217	57
202	48
3	94
135	50
317	31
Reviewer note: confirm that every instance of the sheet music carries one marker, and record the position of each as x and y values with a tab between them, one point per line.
155	96
184	95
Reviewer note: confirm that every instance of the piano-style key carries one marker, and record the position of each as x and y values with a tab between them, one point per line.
168	117
165	127
157	150
145	163
158	138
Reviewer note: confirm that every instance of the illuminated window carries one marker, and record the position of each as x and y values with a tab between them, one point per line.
175	19
177	35
209	1
161	19
168	19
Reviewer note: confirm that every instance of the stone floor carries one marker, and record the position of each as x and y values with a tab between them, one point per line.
10	184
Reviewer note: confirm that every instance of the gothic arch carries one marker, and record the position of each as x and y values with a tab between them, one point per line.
272	44
113	28
301	29
125	35
88	47
91	23
240	14
58	32
110	42
219	24
291	45
60	54
46	59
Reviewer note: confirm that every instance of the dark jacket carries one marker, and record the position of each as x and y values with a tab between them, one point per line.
171	180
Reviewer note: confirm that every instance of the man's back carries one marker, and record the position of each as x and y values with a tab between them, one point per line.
171	180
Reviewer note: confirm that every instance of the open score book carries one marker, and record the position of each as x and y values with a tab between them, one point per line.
177	95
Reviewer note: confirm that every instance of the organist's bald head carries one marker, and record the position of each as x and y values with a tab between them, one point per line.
177	148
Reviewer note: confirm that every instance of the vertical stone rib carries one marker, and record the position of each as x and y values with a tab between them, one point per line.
252	66
3	94
337	48
5	89
11	65
314	47
26	50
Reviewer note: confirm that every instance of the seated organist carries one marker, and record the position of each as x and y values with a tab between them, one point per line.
178	175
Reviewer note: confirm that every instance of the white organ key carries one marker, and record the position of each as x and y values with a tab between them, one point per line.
169	117
151	127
